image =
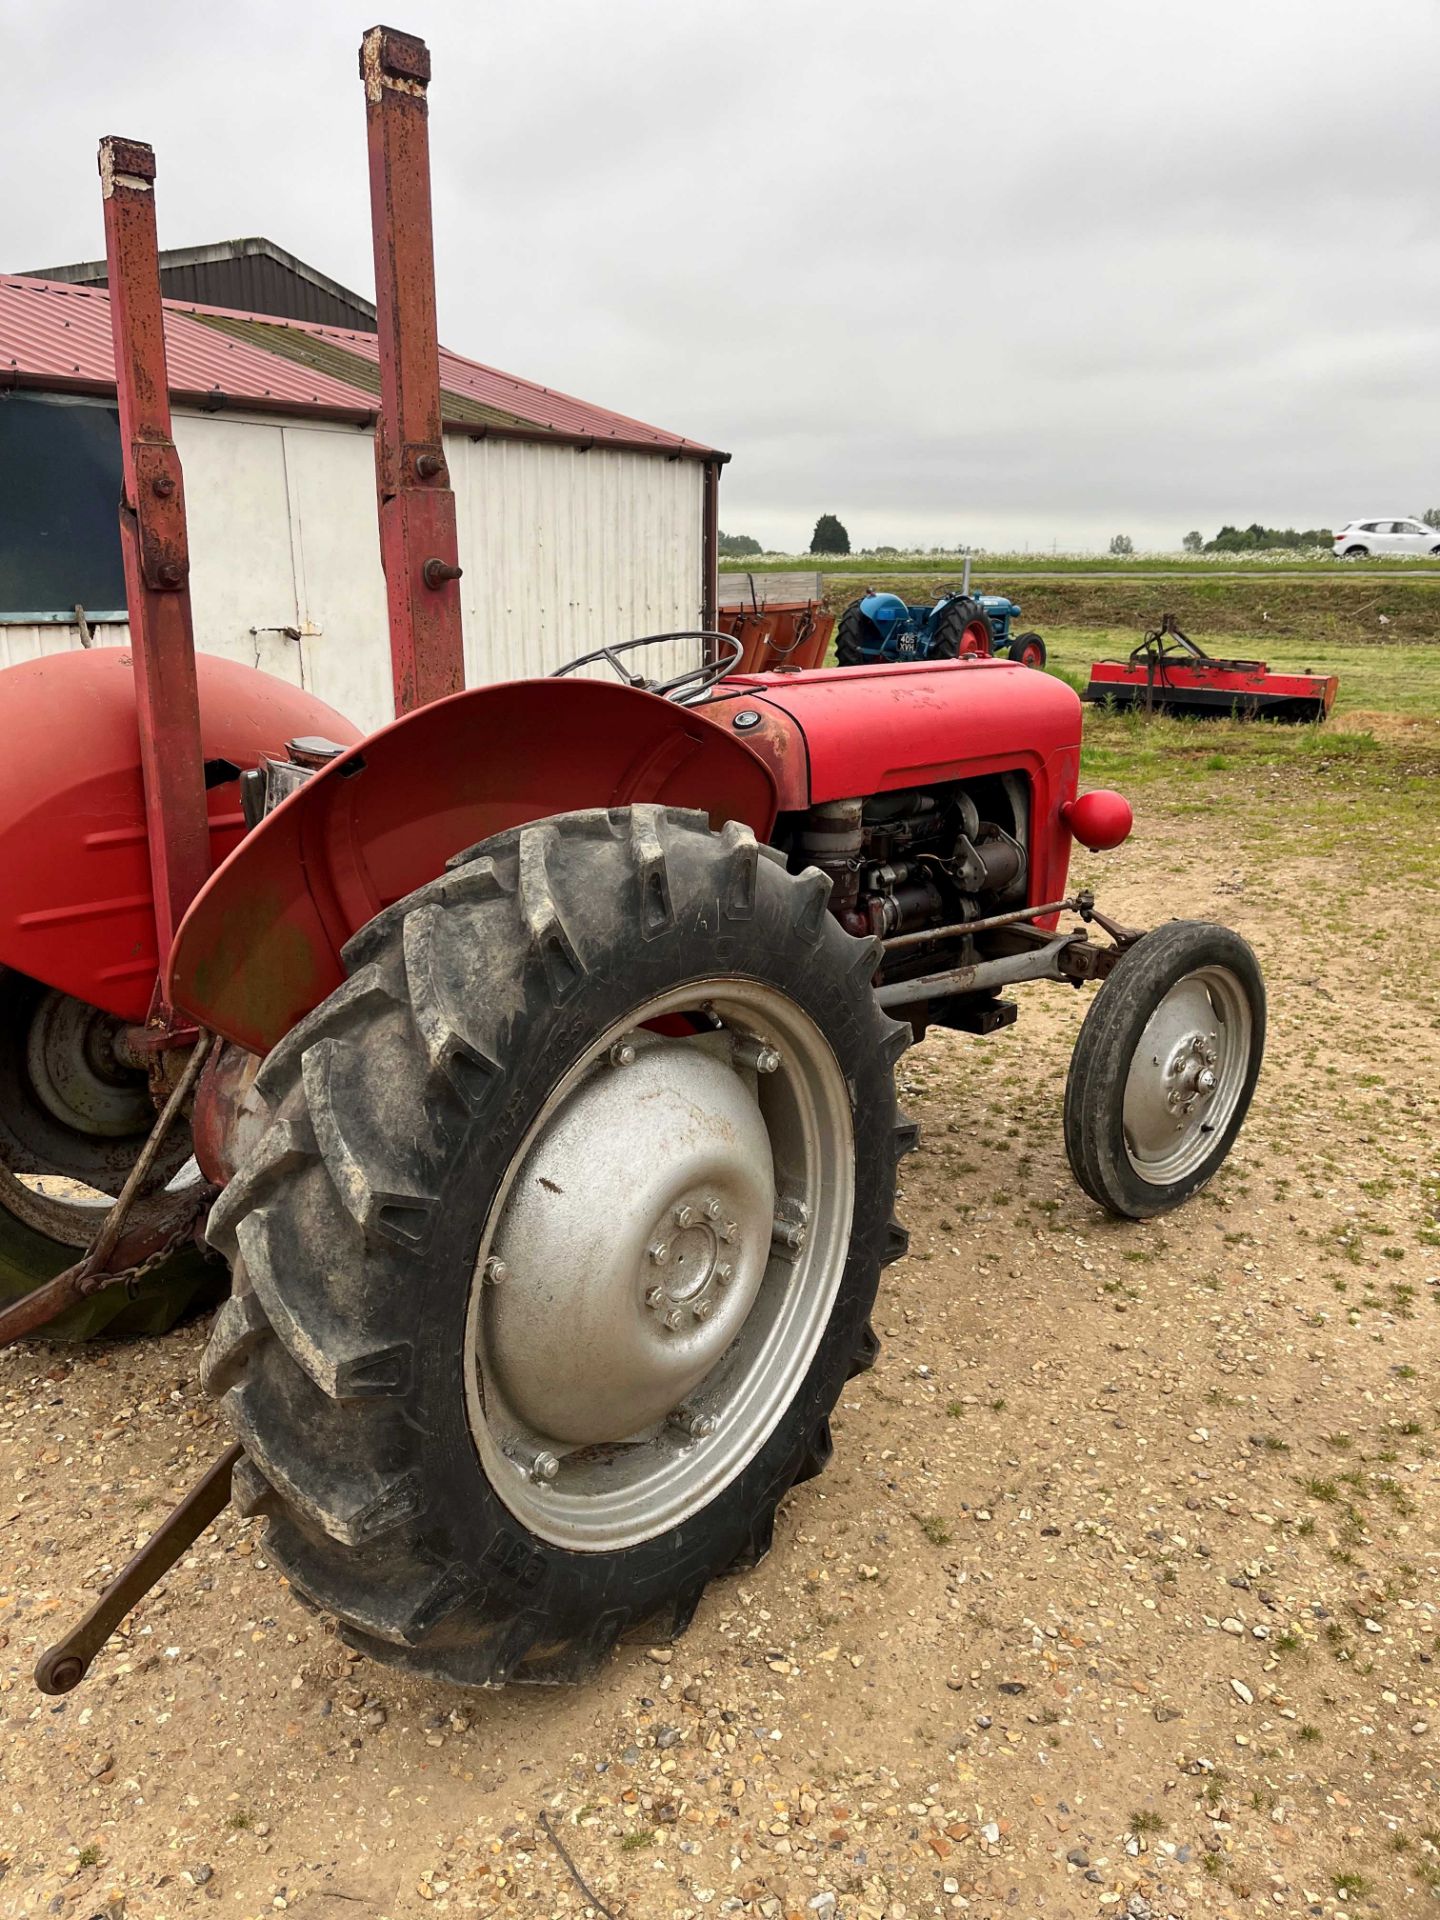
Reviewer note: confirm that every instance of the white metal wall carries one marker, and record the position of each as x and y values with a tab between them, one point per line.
562	551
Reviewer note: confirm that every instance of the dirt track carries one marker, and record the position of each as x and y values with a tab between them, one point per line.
1119	1597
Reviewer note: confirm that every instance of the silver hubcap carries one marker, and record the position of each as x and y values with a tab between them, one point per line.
660	1266
70	1058
1186	1075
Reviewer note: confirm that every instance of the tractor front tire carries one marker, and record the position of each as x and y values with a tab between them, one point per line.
1028	649
851	634
560	1245
1164	1069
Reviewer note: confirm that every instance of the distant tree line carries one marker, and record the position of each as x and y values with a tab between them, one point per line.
1255	539
738	546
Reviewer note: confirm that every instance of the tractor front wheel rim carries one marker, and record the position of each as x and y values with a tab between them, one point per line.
1186	1075
660	1265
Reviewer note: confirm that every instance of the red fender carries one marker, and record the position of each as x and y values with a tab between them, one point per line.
261	944
76	908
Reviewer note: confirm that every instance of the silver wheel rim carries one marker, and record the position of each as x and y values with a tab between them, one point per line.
1186	1075
68	1076
659	1266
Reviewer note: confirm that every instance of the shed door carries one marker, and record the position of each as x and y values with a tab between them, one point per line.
242	574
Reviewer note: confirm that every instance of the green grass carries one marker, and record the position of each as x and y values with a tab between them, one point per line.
989	564
1245	611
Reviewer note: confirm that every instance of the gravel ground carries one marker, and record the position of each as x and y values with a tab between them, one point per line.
1119	1596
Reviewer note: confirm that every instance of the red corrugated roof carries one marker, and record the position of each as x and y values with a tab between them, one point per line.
55	335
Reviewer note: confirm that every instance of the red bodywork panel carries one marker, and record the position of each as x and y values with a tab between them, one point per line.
76	907
848	731
261	945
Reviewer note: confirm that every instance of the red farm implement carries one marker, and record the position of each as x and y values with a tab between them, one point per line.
1170	673
529	1062
780	620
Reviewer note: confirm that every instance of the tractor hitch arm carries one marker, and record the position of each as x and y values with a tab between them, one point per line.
64	1665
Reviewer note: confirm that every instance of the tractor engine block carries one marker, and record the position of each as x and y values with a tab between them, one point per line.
923	856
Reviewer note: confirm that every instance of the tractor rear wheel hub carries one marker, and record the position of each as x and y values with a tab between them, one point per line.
660	1265
612	1309
72	1065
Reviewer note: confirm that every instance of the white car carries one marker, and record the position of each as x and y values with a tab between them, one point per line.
1362	537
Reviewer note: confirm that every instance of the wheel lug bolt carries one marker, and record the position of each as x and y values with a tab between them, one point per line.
653	1296
712	1209
726	1230
724	1273
660	1252
758	1055
622	1054
684	1217
496	1271
701	1309
672	1319
698	1425
537	1464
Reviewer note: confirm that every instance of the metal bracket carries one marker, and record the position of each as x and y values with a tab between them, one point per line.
65	1664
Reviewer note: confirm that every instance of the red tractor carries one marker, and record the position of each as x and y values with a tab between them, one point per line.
529	1061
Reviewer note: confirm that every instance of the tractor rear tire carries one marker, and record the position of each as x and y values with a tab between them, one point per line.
850	636
1028	649
448	1302
71	1125
962	631
1164	1069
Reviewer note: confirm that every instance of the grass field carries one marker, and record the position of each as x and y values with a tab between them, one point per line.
1372	769
1244	612
1014	565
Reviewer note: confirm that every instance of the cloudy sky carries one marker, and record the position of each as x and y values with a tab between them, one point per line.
1007	271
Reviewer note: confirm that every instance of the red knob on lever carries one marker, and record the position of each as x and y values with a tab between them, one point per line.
1099	820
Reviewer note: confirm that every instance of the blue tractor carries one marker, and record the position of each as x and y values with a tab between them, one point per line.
882	628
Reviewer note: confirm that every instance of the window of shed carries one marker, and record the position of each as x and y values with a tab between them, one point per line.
59	508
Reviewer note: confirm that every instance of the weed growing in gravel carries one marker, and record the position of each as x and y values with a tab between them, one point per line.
1146	1820
1350	1883
632	1842
934	1530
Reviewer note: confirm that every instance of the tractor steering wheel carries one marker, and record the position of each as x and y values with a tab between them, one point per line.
683	688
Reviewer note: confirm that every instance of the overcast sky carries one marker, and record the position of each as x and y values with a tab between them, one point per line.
1006	271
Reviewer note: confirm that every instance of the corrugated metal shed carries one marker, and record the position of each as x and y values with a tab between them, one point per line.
250	276
56	336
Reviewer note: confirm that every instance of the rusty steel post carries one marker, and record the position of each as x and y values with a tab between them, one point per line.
155	547
417	509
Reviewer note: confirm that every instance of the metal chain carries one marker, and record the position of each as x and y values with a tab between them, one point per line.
131	1277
